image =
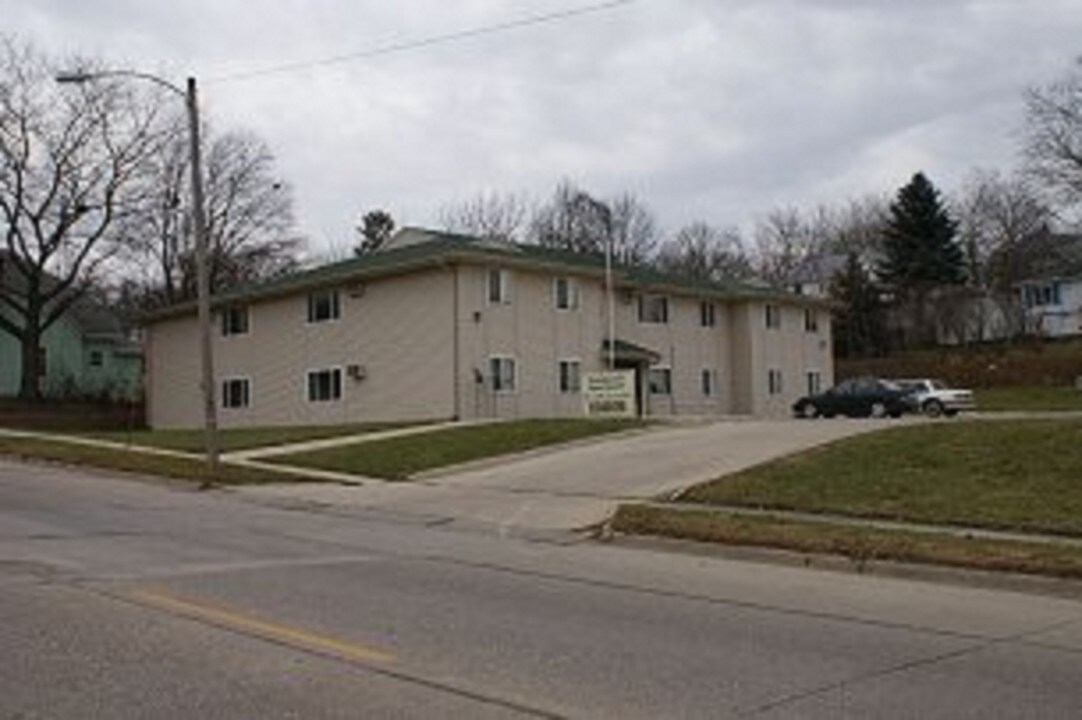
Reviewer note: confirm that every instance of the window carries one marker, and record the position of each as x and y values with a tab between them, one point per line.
502	372
773	317
1040	295
325	385
499	287
566	292
235	320
660	381
773	381
815	382
653	309
323	306
570	376
811	320
96	358
709	382
235	392
706	314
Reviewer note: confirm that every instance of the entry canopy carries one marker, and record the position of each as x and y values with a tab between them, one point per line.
630	352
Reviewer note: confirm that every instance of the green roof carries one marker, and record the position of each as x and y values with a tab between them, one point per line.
444	249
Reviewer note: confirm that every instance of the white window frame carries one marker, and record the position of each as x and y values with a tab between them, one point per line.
650	382
707	314
246	382
813	379
316	371
502	285
496	374
775	381
572	294
226	327
708	382
662	302
577	363
811	320
335	307
772	313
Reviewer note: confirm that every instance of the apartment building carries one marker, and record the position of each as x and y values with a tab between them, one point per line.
437	325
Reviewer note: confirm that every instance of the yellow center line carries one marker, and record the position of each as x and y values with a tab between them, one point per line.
284	634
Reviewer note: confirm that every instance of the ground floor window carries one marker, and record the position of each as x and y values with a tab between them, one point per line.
236	392
709	382
325	385
774	381
570	376
660	381
502	371
815	382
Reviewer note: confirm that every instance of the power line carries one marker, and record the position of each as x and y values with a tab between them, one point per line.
405	46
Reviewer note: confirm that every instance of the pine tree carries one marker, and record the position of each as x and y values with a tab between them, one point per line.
859	321
921	253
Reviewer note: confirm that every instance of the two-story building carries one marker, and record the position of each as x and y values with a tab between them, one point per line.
447	326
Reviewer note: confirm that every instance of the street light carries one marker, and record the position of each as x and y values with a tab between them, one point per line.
210	414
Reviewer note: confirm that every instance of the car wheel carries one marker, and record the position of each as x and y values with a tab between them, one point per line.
878	410
933	408
810	411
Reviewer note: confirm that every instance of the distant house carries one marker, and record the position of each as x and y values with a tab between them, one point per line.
86	352
1049	268
437	325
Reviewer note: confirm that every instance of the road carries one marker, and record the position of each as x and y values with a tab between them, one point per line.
131	599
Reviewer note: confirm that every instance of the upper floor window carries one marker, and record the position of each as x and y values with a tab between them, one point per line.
773	317
570	376
707	314
323	306
235	320
502	371
499	286
566	293
811	320
1041	294
653	309
325	385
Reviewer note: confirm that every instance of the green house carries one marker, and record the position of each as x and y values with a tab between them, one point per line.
87	354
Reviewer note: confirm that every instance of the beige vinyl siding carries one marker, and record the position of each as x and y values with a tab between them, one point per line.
398	329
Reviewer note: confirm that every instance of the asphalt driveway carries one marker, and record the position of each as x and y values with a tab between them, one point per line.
570	488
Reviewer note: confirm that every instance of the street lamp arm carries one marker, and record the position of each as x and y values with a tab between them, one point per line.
79	76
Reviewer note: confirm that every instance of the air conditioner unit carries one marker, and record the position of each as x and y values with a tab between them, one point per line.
357	372
355	290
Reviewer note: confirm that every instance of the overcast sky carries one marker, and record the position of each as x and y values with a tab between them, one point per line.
718	110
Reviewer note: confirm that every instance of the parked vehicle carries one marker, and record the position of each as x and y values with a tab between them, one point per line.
858	397
935	397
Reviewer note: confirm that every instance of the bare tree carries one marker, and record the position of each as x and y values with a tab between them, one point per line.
703	252
73	162
250	226
1053	146
783	239
576	220
488	215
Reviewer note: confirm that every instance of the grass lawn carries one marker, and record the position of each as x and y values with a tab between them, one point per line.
1023	475
858	544
398	458
1028	398
240	438
135	461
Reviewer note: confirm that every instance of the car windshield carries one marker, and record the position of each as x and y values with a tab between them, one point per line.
937	384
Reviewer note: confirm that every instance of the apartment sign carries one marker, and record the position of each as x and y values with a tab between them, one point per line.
609	394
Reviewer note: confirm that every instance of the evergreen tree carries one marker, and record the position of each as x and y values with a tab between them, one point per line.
860	319
920	253
376	229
